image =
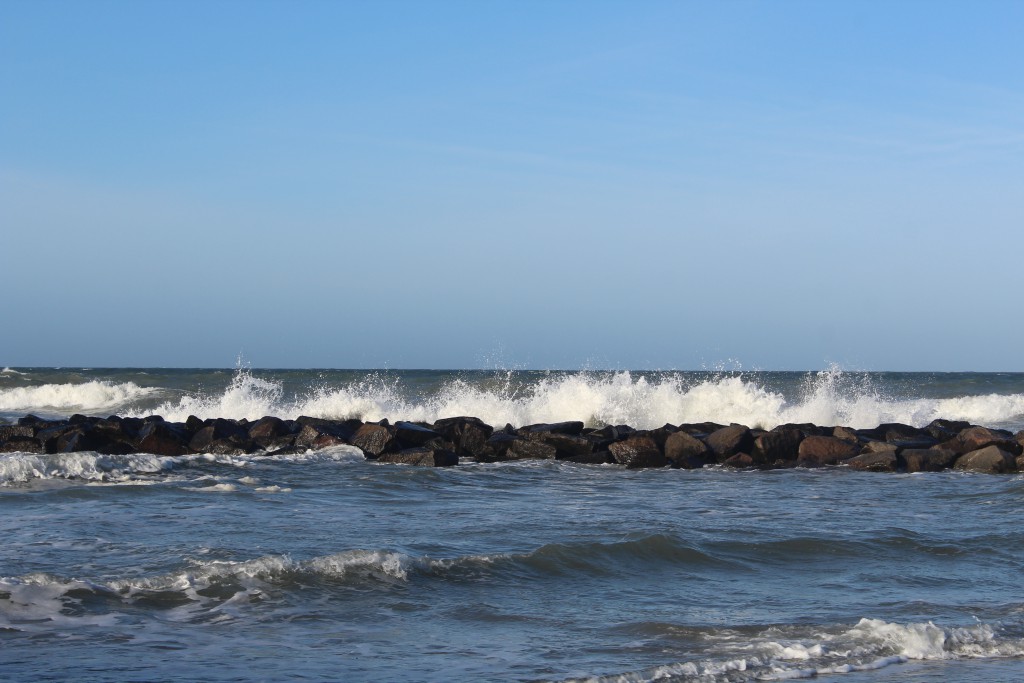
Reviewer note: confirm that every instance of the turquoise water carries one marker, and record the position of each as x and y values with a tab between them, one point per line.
324	566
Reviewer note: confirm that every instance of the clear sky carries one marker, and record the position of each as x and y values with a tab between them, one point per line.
530	184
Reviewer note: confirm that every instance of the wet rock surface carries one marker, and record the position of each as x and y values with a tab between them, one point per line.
893	447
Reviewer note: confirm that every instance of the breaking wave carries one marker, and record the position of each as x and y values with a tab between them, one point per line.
86	397
825	398
870	644
88	466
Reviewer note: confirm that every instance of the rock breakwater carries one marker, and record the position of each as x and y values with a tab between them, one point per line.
893	447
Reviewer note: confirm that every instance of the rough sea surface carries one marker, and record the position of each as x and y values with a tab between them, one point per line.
325	566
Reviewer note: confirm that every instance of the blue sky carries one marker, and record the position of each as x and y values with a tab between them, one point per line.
781	185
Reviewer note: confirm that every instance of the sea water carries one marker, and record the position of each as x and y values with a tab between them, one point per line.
325	566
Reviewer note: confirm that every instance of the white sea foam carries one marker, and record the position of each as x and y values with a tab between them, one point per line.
870	644
85	465
89	466
87	397
41	600
11	371
827	398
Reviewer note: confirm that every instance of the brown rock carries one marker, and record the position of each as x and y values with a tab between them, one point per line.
818	451
372	439
638	451
878	447
990	460
976	438
739	461
927	459
729	441
687	452
883	461
528	449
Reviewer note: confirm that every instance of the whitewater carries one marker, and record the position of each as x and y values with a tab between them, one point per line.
327	566
644	400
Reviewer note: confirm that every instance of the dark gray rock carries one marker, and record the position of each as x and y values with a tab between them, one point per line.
271	432
944	430
778	447
21	444
161	438
926	459
468	434
217	430
529	449
573	428
411	434
421	457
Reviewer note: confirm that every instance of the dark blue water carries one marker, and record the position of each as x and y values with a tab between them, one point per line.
325	566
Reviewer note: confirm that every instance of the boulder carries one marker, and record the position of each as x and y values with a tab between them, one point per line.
944	430
878	447
411	434
976	438
728	441
686	451
739	461
528	449
160	438
845	434
818	451
217	430
700	428
421	457
372	439
638	451
882	461
779	446
896	431
468	434
573	428
926	459
566	446
271	433
990	459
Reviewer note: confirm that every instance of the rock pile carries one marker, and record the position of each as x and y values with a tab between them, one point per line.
943	444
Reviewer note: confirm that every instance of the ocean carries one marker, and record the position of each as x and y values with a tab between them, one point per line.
325	566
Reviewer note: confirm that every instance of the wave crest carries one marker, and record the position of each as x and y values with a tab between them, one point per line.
86	397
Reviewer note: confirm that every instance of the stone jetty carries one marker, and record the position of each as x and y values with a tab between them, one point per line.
941	445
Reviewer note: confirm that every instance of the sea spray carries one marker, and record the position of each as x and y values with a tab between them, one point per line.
643	400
